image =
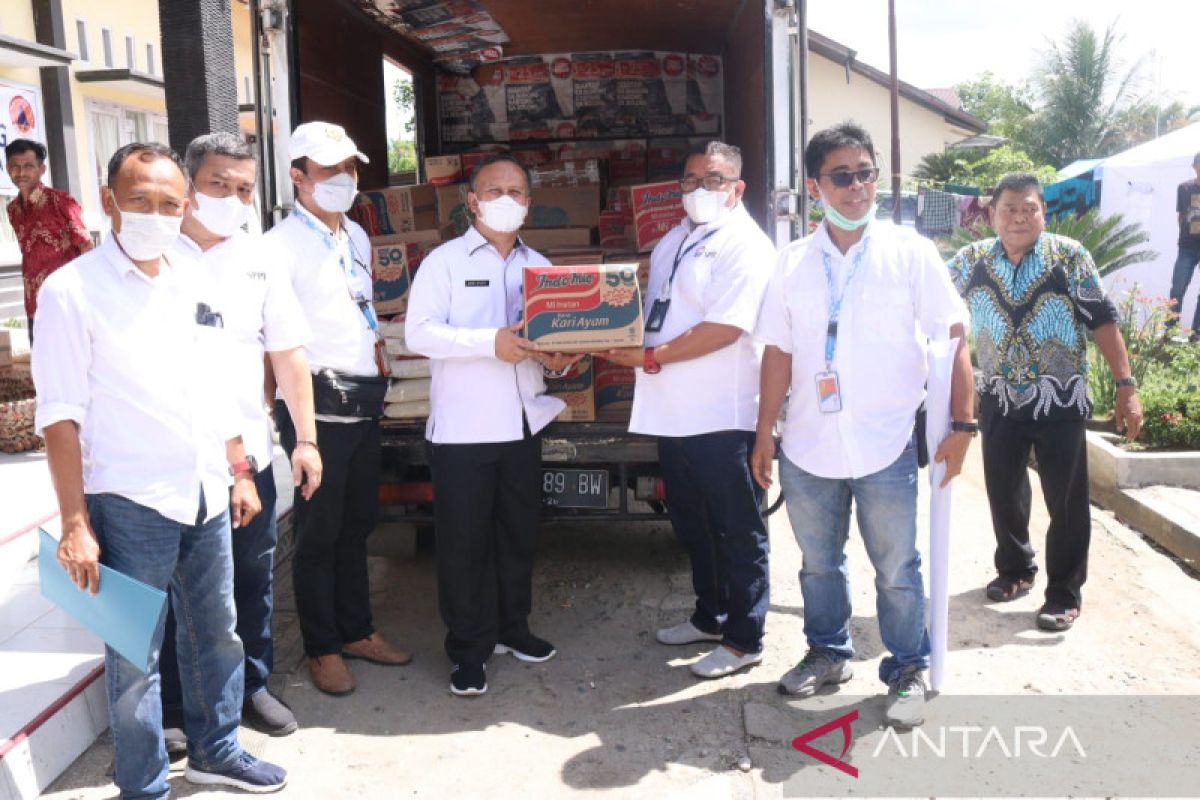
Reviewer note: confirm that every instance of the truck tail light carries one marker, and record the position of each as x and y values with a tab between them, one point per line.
405	494
650	488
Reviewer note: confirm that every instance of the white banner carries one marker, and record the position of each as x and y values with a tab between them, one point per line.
20	118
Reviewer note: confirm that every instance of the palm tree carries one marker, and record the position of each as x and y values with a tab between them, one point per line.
944	167
1081	88
1113	242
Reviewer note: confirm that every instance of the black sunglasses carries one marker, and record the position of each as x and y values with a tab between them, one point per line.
843	178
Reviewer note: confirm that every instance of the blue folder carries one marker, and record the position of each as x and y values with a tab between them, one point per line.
125	613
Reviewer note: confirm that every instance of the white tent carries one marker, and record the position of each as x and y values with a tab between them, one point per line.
1141	183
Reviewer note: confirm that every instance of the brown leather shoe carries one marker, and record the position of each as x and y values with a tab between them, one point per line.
377	650
330	674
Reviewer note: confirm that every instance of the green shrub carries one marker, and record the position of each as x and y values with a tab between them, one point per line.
1172	418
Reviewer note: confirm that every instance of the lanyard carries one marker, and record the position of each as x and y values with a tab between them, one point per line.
835	300
331	244
680	254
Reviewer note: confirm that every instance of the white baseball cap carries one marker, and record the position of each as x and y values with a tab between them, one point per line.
323	142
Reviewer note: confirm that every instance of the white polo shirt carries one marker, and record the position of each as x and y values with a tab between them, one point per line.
122	355
900	297
327	273
462	295
721	279
261	316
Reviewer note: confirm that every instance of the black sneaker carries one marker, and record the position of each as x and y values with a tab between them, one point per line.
527	648
248	774
468	680
264	712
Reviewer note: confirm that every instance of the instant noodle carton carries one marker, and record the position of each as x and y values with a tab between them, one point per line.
575	389
613	390
394	260
657	207
582	309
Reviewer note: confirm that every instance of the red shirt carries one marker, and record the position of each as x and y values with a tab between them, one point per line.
50	232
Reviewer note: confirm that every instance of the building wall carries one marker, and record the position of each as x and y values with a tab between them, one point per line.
833	100
140	114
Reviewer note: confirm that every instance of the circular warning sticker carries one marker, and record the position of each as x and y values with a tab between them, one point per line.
21	113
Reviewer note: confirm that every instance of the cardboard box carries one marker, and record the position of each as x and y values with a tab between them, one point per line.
441	170
657	207
575	389
542	239
613	390
574	256
394	262
572	172
399	209
582	309
452	211
563	206
612	226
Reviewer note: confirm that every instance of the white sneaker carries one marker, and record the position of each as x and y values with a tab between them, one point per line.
723	661
685	633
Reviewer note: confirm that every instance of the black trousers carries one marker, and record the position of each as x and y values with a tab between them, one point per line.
329	567
714	506
487	503
1061	450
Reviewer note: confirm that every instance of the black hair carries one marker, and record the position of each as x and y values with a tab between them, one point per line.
1019	182
301	164
847	134
18	146
499	158
146	151
221	143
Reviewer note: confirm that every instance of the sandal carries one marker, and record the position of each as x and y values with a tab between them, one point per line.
1002	588
1056	619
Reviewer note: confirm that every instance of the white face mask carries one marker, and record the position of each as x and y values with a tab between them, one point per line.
336	194
222	216
503	215
703	206
145	237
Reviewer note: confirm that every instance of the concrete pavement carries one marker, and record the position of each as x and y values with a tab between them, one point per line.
618	715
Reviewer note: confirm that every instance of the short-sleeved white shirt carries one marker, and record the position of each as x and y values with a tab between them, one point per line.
900	297
341	338
123	355
722	280
261	315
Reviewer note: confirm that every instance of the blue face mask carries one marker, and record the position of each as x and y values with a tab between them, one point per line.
839	220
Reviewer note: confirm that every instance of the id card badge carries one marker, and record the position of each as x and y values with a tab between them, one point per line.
829	392
657	315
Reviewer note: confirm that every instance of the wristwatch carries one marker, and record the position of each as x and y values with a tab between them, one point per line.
249	464
971	427
650	365
1130	381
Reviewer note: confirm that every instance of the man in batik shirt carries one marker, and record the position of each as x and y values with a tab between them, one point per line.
1033	296
48	224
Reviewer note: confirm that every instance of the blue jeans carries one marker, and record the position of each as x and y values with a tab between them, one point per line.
193	563
1185	265
886	502
714	507
253	559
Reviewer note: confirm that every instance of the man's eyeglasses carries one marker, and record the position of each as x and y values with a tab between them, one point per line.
713	183
843	178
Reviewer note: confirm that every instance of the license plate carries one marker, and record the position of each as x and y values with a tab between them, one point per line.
575	488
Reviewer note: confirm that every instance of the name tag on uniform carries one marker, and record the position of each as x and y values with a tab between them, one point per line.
829	392
479	283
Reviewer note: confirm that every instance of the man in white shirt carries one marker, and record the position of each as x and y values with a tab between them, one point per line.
488	406
262	319
141	439
846	323
327	258
697	391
